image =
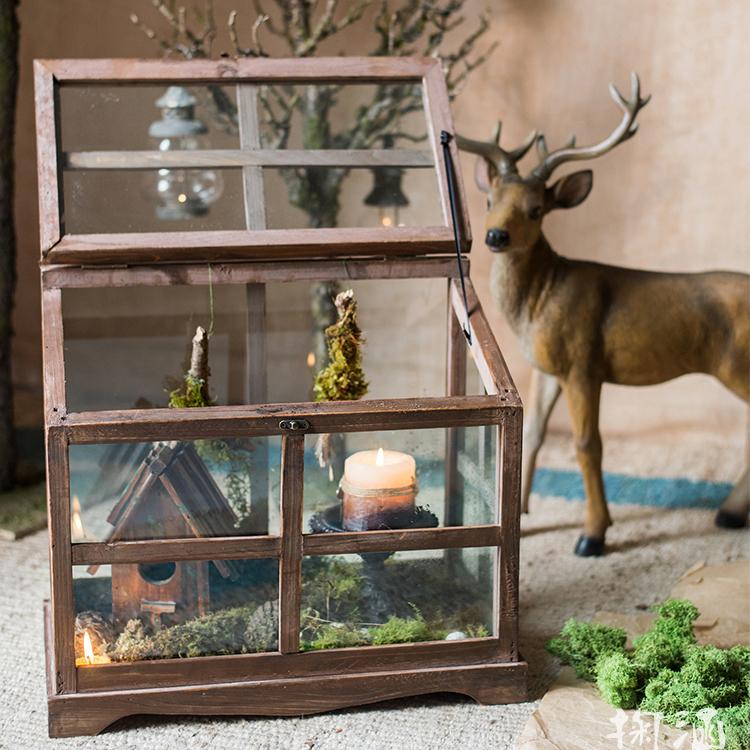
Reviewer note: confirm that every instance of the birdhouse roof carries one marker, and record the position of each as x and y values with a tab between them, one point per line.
181	473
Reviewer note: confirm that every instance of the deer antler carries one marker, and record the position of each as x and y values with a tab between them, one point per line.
503	161
625	130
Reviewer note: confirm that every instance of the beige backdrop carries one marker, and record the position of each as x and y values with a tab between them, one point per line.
673	198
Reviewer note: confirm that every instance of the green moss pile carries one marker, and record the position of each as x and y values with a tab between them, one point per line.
665	672
215	634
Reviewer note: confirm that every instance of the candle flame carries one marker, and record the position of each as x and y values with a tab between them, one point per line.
380	458
311	359
76	521
88	650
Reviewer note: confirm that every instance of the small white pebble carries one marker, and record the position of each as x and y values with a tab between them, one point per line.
456	635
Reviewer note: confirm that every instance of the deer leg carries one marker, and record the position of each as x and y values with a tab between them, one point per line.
582	395
543	395
734	510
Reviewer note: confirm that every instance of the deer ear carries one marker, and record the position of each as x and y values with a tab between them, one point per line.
571	190
484	173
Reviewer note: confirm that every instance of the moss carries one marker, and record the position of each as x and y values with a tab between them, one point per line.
404	630
664	645
710	676
338	635
665	672
331	589
214	634
617	679
343	379
582	644
191	393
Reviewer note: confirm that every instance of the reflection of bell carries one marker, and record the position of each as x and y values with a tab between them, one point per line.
182	193
386	191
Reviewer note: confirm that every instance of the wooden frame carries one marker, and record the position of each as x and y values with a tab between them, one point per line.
58	246
84	700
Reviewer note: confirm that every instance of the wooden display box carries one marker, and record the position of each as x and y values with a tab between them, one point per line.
469	473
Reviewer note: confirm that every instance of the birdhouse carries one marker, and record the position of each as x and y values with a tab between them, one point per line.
171	496
326	512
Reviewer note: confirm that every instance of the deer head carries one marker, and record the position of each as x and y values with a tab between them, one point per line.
516	205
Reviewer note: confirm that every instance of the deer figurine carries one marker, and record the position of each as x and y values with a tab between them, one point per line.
582	324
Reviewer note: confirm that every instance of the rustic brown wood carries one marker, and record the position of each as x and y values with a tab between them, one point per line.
257	157
244	421
256	69
238	244
46	156
61	580
166	550
401	539
438	118
234	668
86	699
509	482
290	565
53	355
486	353
90	713
66	277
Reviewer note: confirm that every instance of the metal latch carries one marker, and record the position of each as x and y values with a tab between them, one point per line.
294	425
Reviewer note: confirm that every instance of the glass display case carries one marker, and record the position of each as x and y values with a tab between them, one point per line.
266	551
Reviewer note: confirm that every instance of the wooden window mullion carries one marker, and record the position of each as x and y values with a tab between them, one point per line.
290	565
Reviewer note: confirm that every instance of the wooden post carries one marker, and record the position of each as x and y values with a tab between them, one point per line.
60	560
509	485
290	564
255	294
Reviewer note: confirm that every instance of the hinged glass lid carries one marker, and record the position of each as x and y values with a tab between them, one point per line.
144	161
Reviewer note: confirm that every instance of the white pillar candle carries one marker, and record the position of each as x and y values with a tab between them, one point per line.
380	470
366	474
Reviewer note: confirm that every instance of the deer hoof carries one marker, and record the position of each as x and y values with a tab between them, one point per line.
589	546
725	519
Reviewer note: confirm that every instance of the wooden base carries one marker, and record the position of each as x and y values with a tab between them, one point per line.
90	712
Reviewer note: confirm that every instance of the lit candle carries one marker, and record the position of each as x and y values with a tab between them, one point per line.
89	657
377	486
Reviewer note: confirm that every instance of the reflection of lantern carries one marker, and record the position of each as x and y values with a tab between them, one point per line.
182	193
386	191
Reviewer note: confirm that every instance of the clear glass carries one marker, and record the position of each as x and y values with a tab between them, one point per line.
132	612
121	118
96	116
424	478
187	489
378	599
129	347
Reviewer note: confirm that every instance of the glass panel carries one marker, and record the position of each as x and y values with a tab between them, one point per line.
98	117
381	598
102	201
400	479
175	609
130	347
101	196
201	488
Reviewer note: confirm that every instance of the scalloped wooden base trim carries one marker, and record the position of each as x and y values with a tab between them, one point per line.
89	713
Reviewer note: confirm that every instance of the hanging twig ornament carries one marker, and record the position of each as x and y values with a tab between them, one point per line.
194	390
343	379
